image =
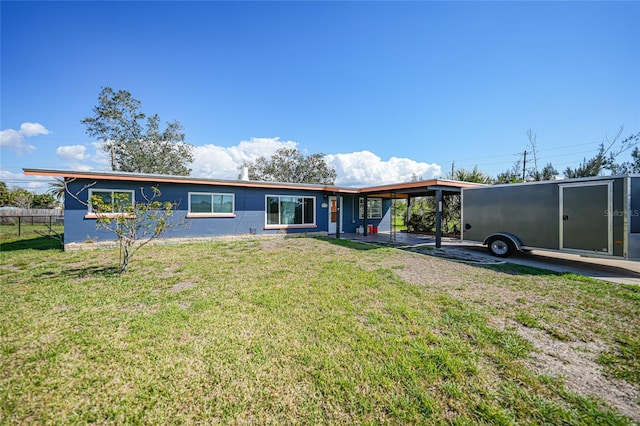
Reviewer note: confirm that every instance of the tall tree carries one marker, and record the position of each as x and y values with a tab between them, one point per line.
57	189
512	175
43	201
632	166
474	175
133	146
22	198
606	157
548	172
5	195
290	165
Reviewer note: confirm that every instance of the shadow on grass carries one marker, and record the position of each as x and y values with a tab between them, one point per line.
35	243
514	269
355	245
83	272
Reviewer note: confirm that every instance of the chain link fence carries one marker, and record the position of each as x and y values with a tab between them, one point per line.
20	222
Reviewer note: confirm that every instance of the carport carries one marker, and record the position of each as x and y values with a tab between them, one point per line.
438	188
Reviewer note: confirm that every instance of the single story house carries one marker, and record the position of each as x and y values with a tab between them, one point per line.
215	208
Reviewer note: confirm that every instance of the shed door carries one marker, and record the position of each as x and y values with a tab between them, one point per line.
585	217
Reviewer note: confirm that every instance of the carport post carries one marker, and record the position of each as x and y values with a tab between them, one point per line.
439	218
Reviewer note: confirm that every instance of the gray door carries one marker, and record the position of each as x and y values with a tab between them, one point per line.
585	217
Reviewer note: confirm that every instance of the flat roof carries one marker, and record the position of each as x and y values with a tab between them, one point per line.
398	190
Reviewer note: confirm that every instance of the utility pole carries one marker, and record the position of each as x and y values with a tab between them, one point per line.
524	165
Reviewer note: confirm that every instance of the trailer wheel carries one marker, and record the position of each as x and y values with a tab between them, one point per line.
500	247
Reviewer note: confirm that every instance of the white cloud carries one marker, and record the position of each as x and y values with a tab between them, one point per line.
83	157
15	139
37	184
33	129
217	162
364	168
358	169
74	156
72	153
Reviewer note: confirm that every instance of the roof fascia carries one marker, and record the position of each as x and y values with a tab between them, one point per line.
393	189
183	179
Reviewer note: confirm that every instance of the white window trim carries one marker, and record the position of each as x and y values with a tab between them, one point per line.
289	226
92	215
212	214
369	210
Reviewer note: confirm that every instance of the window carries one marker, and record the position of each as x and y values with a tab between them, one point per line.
116	198
290	210
209	204
374	208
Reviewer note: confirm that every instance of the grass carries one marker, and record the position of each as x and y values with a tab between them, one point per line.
37	236
399	224
287	331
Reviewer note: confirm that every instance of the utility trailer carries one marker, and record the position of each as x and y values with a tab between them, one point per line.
597	216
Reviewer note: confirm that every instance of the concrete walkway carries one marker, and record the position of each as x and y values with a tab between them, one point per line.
607	269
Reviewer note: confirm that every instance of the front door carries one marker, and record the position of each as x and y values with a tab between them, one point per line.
586	217
333	213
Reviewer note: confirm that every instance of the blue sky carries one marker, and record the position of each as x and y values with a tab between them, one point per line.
385	89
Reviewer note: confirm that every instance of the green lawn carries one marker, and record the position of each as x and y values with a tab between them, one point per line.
302	331
25	235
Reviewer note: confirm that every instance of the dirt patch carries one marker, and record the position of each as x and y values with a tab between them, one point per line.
170	271
575	363
573	360
185	285
12	268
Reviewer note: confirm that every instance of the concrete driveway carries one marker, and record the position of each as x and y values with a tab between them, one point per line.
607	269
614	270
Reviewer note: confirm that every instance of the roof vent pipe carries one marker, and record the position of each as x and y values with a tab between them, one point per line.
245	173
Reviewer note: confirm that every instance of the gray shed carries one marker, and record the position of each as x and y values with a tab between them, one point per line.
597	216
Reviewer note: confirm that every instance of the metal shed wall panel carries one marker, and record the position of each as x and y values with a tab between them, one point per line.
635	205
531	213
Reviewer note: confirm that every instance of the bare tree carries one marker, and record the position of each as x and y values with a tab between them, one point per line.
135	224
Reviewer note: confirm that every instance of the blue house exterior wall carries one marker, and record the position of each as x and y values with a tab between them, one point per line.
351	215
250	210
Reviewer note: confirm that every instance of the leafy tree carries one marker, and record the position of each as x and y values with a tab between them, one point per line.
548	173
57	189
632	166
290	165
512	175
591	167
43	201
422	216
5	195
134	224
606	157
117	122
21	198
400	211
474	175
